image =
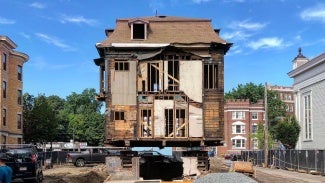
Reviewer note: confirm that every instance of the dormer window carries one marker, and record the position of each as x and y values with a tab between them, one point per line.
139	29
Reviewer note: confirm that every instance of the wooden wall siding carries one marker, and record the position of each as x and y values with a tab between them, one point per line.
195	121
191	79
123	85
204	108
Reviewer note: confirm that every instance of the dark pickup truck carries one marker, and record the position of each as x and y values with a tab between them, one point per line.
91	155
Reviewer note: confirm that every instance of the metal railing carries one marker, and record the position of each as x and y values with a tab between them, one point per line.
310	161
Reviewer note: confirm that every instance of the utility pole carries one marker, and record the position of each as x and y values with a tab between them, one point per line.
266	129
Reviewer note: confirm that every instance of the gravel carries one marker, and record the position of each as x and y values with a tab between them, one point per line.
231	177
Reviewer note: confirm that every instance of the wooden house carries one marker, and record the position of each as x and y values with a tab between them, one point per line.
162	80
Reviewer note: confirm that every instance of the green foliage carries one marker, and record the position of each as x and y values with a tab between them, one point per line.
52	118
276	108
40	122
287	132
260	136
248	91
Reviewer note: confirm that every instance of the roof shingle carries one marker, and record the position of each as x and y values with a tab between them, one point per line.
165	29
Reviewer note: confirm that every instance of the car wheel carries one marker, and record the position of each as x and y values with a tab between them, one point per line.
80	162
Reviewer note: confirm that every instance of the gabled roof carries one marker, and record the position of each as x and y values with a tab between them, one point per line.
320	59
166	29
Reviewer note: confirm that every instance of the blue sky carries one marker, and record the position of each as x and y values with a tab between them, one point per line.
60	36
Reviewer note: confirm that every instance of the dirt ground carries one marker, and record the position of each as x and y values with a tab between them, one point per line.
71	174
68	173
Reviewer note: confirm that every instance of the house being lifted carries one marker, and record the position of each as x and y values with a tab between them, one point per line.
162	80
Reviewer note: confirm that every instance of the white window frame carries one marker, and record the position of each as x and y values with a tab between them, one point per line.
254	115
238	142
240	125
256	127
145	24
307	117
238	115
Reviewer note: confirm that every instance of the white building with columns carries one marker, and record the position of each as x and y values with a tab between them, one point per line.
309	93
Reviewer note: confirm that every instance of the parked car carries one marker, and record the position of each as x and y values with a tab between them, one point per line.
25	162
91	155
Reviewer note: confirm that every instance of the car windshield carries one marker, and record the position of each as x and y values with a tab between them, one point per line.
21	155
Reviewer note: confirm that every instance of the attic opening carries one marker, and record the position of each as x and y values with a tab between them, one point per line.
138	31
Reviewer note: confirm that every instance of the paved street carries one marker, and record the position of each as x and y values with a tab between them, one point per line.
267	175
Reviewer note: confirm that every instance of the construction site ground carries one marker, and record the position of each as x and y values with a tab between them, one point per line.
68	173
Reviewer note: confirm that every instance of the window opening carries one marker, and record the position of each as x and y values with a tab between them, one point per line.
4	61
169	122
173	73
210	76
146	123
19	97
118	115
153	77
4	89
4	117
19	121
121	66
138	31
20	72
180	123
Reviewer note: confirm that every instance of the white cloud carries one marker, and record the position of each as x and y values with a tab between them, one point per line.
41	63
6	21
37	5
234	1
238	35
246	25
54	41
24	35
78	20
314	13
200	1
272	42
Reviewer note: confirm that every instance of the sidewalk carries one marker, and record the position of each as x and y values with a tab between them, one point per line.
267	175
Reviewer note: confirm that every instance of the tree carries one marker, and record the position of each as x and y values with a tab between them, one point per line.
260	137
40	122
276	108
52	118
287	132
248	91
85	121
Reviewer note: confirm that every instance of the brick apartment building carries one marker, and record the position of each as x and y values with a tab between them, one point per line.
11	97
241	121
286	95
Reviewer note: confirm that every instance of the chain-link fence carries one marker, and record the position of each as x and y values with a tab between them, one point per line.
311	161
